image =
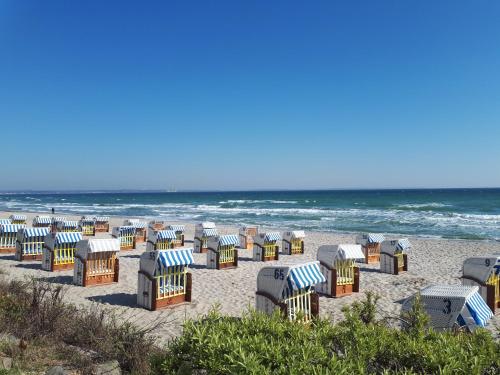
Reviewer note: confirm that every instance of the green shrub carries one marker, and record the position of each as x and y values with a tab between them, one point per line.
260	344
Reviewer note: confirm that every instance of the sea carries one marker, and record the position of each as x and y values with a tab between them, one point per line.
445	213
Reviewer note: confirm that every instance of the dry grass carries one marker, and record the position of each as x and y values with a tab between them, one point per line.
52	330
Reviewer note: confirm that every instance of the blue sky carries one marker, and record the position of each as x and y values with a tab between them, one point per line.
249	95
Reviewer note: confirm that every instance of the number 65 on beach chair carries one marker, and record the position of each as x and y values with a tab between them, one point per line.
96	262
484	272
164	279
289	289
265	246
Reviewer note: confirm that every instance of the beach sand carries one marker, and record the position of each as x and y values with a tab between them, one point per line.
233	290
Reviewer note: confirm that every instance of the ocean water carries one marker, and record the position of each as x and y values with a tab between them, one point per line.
448	213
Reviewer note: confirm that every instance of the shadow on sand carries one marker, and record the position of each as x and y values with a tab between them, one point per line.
118	299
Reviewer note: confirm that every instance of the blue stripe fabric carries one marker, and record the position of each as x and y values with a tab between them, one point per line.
18	217
210	232
375	238
403	244
11	228
43	220
139	224
230	239
166	235
68	237
177	228
272	237
101	219
171	258
69	224
306	275
5	221
35	232
126	230
478	309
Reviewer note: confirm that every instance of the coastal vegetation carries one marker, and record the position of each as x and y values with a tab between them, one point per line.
40	330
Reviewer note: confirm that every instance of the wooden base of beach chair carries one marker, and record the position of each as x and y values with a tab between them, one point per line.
7	250
203	250
100	280
345	289
127	247
282	306
164	303
403	268
30	257
372	253
223	266
272	257
61	267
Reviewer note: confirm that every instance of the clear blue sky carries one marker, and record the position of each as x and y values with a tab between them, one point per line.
234	94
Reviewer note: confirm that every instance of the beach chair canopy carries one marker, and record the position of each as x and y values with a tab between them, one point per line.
369	238
209	232
73	224
294	235
57	219
97	245
17	217
87	221
42	220
28	233
161	235
328	254
275	280
56	239
392	247
482	267
448	304
268	238
11	228
229	239
152	262
206	225
177	228
138	224
123	231
101	219
5	221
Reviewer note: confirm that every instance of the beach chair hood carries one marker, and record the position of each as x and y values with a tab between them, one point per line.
328	254
369	238
268	238
18	217
67	224
161	235
101	219
123	231
11	228
5	221
391	247
294	235
27	233
481	268
177	228
96	245
152	262
275	280
230	239
55	239
37	220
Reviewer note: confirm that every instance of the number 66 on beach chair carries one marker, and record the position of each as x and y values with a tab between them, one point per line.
370	242
338	265
164	279
289	289
293	242
452	306
484	272
96	262
265	246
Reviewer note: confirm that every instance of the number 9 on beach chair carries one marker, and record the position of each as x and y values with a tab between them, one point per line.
265	246
42	221
484	272
164	279
8	237
293	242
370	242
59	251
29	243
222	252
202	232
450	306
160	240
18	219
96	262
246	237
393	257
126	235
338	265
87	226
289	289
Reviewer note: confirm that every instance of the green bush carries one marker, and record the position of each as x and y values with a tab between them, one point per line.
260	344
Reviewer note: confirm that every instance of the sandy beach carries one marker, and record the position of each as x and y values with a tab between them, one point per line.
430	261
